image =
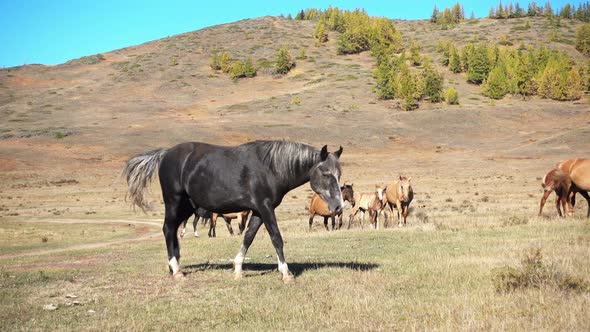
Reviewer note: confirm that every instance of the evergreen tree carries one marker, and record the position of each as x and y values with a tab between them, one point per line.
225	62
451	96
320	32
415	53
249	69
582	43
478	65
407	88
434	16
455	61
496	83
284	61
237	70
524	75
214	62
432	84
574	85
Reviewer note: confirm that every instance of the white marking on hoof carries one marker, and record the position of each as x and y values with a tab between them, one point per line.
196	234
174	267
288	279
238	276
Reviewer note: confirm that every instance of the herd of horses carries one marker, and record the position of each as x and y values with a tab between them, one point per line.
234	182
396	195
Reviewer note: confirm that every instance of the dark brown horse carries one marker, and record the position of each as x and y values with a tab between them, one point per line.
319	207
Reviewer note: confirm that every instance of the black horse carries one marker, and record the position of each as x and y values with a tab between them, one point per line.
254	176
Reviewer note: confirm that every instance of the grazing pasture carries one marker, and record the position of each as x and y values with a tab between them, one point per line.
425	276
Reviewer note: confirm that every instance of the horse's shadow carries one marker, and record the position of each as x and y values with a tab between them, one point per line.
296	268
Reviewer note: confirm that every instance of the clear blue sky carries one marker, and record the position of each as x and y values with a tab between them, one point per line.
55	31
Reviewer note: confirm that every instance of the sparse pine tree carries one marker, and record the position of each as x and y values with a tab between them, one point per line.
302	55
495	86
237	70
574	85
582	43
225	62
479	65
435	14
214	62
320	32
454	61
451	96
249	69
284	61
415	53
432	84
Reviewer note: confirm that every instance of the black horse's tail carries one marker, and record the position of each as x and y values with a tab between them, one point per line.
139	171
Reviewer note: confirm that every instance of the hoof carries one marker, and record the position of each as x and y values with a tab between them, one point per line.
238	276
178	276
196	235
289	279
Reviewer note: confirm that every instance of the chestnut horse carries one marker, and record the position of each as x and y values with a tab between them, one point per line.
399	194
242	217
318	206
368	202
558	181
579	173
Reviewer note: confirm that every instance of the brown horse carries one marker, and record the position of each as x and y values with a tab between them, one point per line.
318	206
400	194
558	181
579	173
368	202
242	217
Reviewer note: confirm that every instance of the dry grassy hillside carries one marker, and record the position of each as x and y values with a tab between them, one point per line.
66	131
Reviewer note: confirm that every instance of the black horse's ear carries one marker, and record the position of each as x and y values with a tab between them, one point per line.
338	153
324	153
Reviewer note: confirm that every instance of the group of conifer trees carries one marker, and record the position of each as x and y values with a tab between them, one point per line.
568	11
502	70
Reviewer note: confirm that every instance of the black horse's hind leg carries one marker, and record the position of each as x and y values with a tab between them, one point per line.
195	224
177	210
326	223
333	220
251	231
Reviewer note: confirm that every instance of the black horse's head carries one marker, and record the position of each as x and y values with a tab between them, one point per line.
324	178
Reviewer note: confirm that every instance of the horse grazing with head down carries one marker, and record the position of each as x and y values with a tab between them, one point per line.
556	180
253	176
368	202
400	194
318	206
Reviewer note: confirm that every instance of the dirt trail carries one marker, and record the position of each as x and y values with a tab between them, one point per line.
88	245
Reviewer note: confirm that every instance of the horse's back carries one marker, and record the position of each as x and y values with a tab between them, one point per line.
580	173
318	206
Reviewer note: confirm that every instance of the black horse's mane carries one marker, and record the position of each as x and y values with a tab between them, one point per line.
284	157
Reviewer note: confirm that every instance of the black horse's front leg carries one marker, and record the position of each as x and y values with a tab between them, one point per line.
251	231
